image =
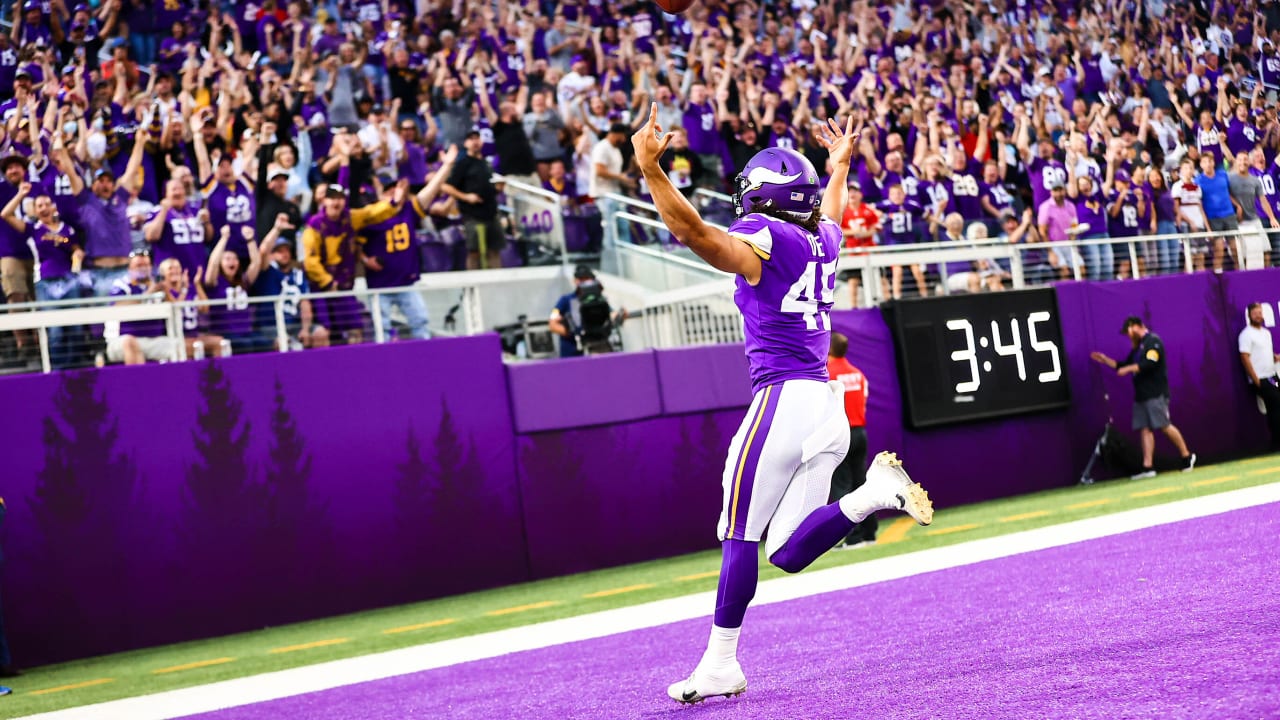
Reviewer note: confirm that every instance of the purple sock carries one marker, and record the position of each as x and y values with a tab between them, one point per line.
818	533
739	572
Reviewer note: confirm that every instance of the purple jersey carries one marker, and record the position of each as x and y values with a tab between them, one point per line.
182	238
394	242
1044	174
1268	178
235	317
1241	136
1126	224
52	248
785	314
700	124
997	195
190	313
233	206
934	196
900	222
137	328
966	196
1092	209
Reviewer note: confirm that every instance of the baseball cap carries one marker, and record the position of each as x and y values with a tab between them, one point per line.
276	171
335	190
470	134
104	171
855	185
283	242
1122	176
621	128
582	272
1057	185
1008	214
1130	322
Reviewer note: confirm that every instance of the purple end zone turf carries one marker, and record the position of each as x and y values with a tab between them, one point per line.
1176	621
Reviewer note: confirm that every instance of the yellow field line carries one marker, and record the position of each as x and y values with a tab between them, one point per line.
308	646
1215	481
1264	471
523	608
698	576
194	665
1089	504
1155	491
618	591
896	531
956	529
419	626
73	686
1024	516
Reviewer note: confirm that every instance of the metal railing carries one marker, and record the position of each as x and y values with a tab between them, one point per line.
644	250
701	315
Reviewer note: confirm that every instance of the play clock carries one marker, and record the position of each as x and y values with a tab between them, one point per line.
972	357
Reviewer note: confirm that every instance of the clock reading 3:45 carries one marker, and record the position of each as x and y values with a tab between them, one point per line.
970	357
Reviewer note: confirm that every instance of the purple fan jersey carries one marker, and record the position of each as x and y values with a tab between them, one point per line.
786	314
52	248
234	318
394	242
1044	174
1126	223
900	222
190	313
966	197
232	206
137	328
183	238
997	195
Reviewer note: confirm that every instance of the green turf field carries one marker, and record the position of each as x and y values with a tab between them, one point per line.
194	663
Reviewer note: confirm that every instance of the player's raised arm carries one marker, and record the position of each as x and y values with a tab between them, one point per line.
839	144
711	244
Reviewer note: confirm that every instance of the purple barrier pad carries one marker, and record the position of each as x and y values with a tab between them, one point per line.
612	494
1123	626
166	503
703	378
579	392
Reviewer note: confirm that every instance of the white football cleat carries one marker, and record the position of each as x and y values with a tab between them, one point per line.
887	480
699	687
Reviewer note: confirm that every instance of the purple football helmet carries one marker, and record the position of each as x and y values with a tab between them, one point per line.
777	179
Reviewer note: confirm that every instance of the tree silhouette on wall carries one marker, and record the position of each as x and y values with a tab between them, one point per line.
83	494
296	522
223	508
413	496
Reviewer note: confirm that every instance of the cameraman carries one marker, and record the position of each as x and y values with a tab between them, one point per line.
583	319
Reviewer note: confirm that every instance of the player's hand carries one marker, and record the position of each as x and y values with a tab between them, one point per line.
839	143
650	142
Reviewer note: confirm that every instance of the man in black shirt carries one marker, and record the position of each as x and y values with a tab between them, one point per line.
1146	363
471	184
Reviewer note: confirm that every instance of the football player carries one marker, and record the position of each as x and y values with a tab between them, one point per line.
783	248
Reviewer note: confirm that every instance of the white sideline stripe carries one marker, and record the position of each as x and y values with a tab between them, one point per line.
312	678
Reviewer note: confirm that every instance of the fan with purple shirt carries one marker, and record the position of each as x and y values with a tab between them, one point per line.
58	252
226	279
783	249
139	340
177	229
390	250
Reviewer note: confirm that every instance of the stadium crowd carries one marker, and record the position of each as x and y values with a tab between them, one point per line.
238	149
